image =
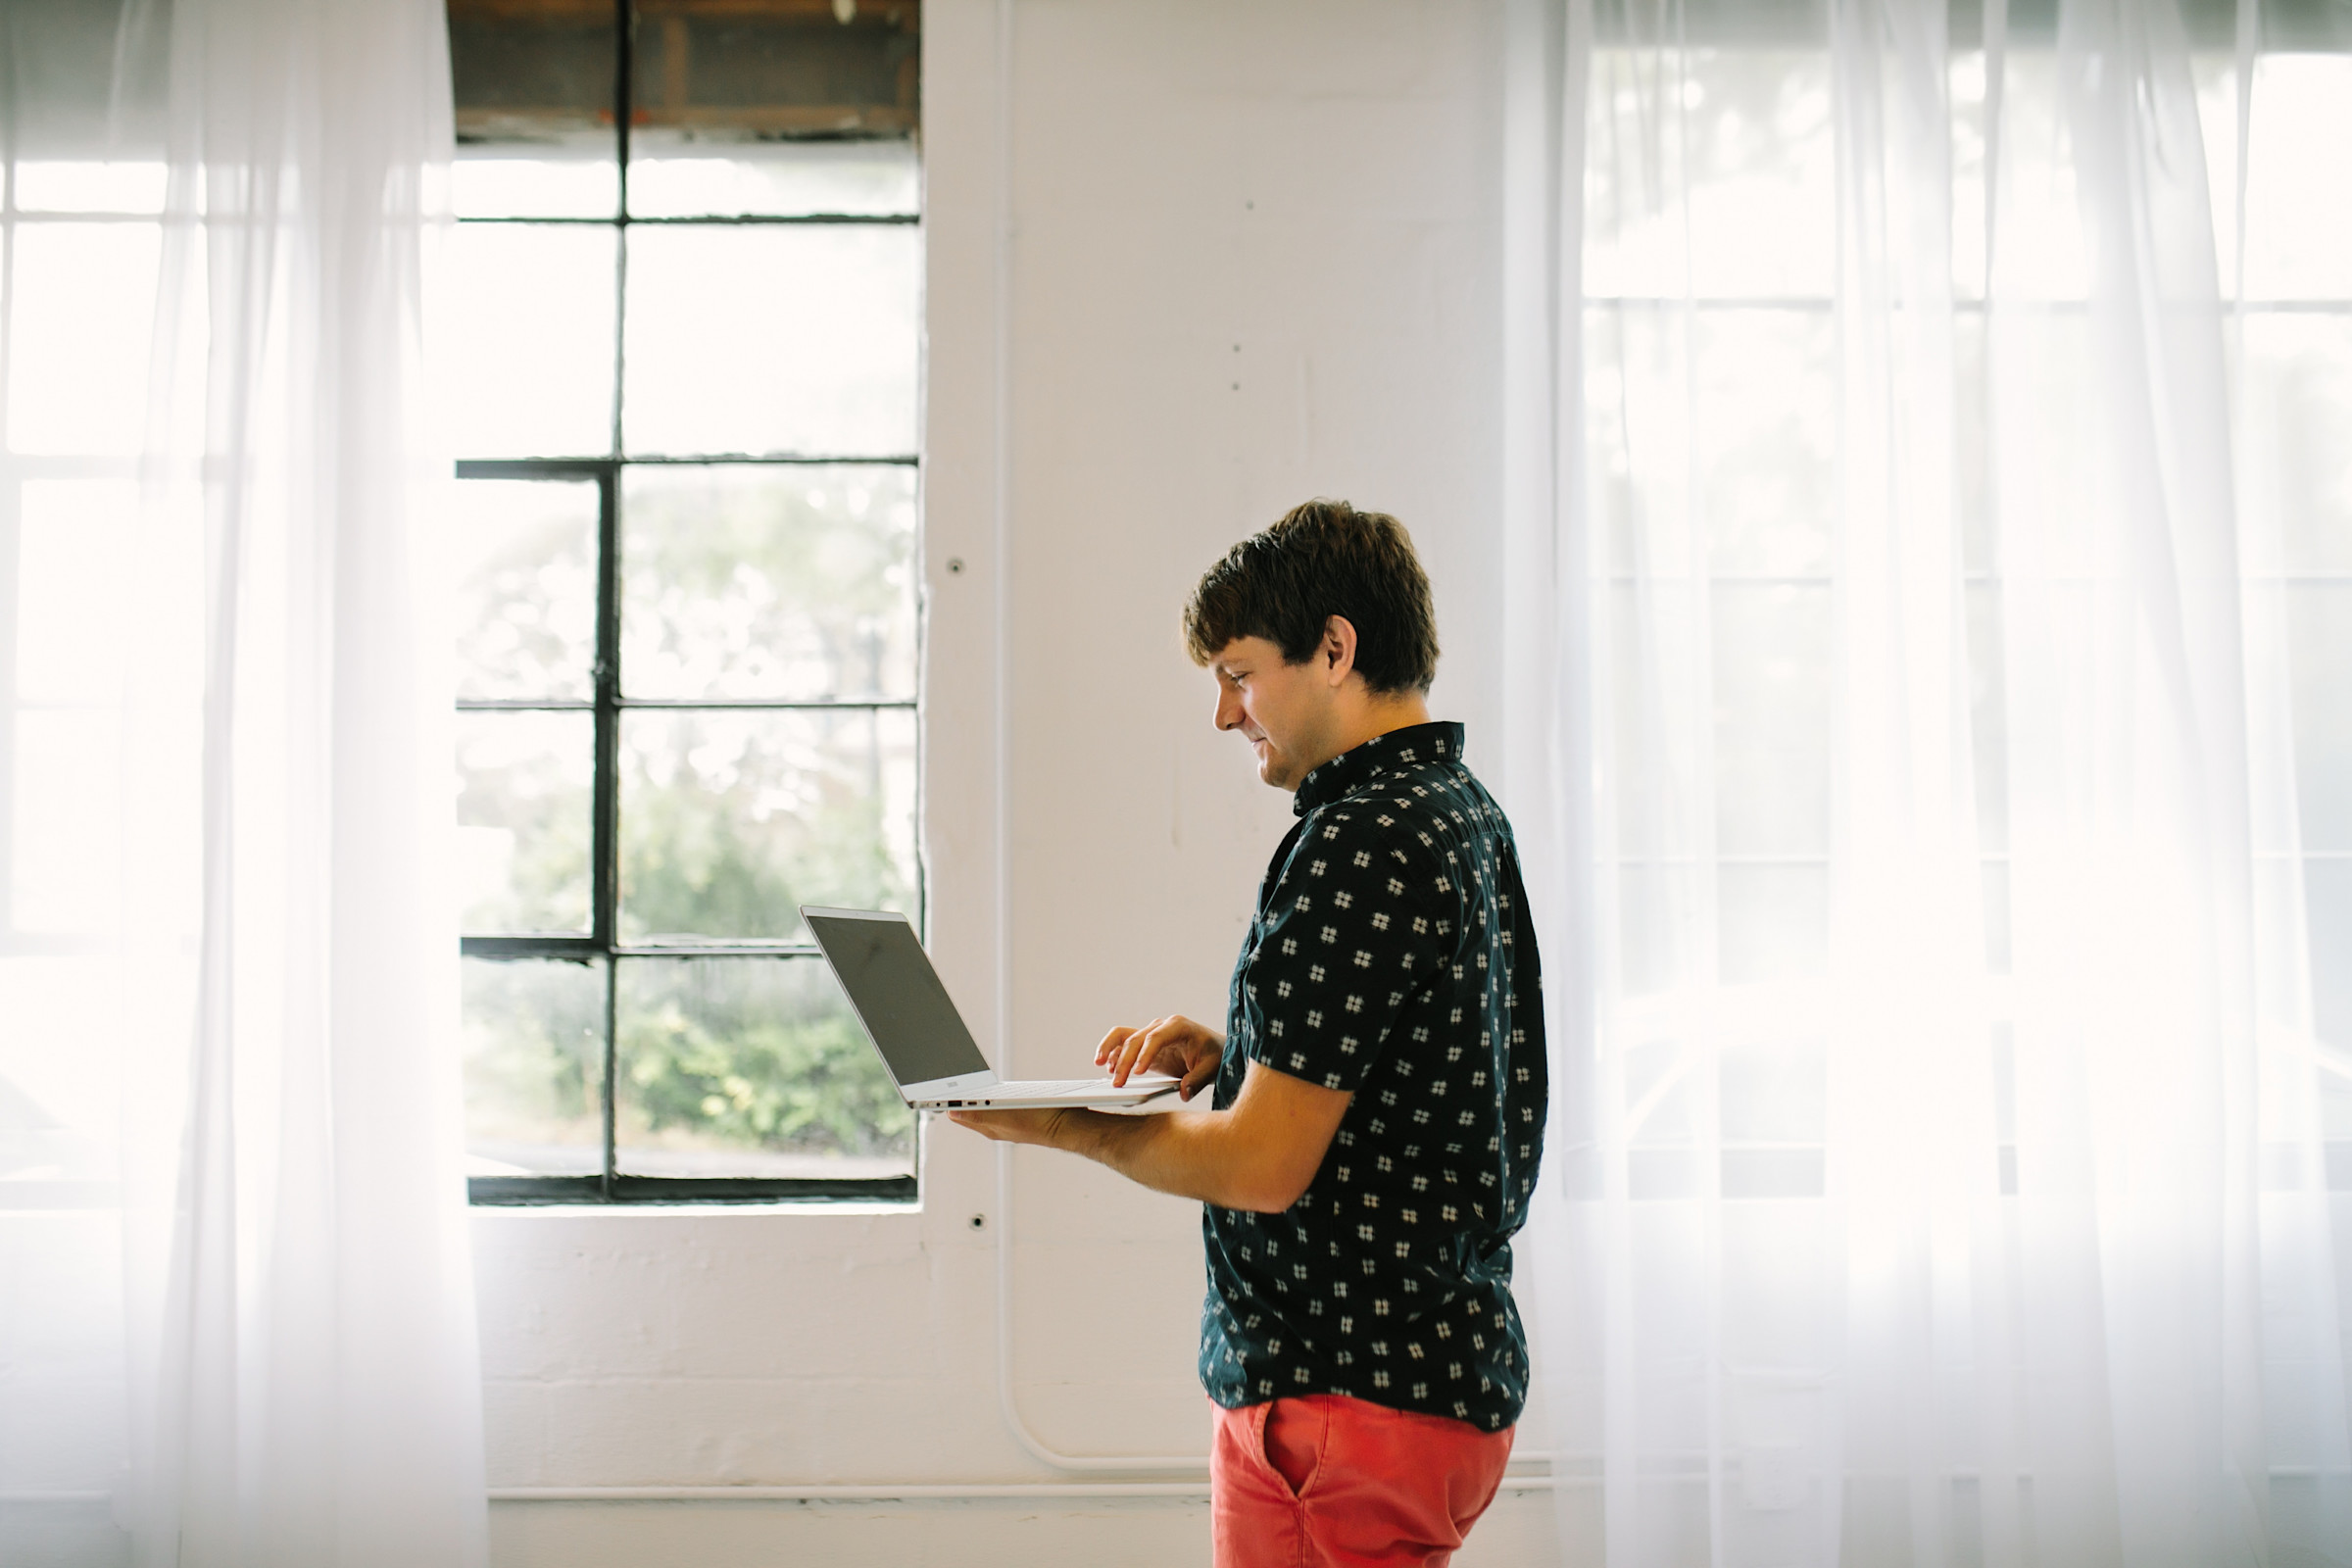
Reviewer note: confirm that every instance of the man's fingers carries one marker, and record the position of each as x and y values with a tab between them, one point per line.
1146	1048
1173	1045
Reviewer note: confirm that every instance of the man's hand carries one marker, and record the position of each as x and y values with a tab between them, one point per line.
1050	1128
1174	1045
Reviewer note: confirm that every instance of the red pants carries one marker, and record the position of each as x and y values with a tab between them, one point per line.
1328	1480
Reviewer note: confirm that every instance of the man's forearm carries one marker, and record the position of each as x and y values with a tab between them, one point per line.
1260	1153
1175	1151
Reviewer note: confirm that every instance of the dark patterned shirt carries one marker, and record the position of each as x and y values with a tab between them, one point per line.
1392	956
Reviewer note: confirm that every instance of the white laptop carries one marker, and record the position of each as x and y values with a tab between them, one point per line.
920	1036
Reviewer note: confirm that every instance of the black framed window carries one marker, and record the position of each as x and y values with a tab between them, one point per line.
687	277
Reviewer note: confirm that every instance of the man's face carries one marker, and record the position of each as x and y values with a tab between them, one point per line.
1288	712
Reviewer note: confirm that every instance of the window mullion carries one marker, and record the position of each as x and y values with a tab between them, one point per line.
605	845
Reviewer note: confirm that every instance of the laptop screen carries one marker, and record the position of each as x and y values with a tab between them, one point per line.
898	996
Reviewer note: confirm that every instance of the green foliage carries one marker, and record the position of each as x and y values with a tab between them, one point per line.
533	1063
744	831
810	1085
759	582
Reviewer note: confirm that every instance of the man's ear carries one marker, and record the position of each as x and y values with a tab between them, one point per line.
1337	652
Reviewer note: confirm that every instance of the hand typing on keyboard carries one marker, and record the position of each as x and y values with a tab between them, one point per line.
1174	1046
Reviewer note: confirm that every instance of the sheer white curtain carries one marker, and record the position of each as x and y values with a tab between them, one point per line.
1927	724
239	1323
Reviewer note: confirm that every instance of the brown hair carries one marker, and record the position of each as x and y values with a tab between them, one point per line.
1323	559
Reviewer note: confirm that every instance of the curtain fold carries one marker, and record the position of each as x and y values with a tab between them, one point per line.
316	1396
261	1342
1902	692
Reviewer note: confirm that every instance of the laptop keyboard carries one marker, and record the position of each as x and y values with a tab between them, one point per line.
1055	1088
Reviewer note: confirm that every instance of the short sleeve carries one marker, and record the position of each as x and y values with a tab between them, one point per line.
1356	925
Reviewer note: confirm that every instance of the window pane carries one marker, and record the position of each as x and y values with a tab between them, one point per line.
2319	643
1774	923
65	827
74	545
2299	242
532	334
62	1058
2327	895
779	582
772	340
729	821
526	596
2297	467
1753	145
672	174
524	794
561	178
534	1068
78	318
1772	720
751	1067
1766	413
90	187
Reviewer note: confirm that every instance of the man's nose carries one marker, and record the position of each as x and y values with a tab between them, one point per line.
1229	708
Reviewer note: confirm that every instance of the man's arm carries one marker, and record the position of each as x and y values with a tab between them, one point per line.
1260	1153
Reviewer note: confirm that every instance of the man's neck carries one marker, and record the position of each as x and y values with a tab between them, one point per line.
1373	717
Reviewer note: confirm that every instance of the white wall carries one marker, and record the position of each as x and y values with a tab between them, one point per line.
1252	258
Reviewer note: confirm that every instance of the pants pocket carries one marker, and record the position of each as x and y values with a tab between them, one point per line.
1292	1437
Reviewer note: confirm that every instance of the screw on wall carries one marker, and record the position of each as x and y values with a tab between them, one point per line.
954	565
979	1222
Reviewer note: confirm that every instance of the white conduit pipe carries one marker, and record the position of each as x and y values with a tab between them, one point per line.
1002	591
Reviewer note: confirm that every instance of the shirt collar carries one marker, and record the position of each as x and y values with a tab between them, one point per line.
1414	746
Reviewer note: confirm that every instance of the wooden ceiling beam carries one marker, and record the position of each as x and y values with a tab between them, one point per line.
905	14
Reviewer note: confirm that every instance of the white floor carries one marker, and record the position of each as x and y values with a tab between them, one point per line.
1518	1532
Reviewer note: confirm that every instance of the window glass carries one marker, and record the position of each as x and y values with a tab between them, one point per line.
782	339
534	1066
524	828
731	819
1754	145
73	186
1767	439
1772	645
532	330
2320	651
793	582
81	301
676	174
527	588
536	179
65	838
74	545
751	1067
2298	242
2296	461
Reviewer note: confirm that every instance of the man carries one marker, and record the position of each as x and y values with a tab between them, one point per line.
1380	1086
